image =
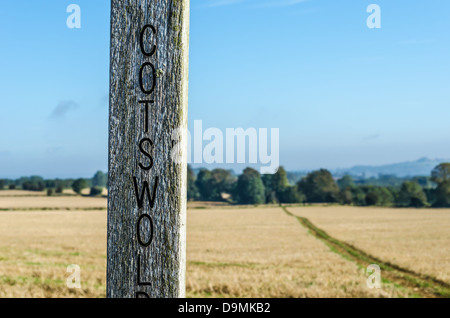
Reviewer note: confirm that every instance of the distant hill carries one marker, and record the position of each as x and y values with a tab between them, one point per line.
421	167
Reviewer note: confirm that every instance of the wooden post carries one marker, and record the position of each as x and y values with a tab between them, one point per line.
147	148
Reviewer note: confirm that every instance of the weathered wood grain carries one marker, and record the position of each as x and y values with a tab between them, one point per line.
162	263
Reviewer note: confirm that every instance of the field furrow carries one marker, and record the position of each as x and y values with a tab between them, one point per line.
420	284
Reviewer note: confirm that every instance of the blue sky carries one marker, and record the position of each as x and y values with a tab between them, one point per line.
340	93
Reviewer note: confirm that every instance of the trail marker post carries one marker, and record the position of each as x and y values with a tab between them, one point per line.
147	148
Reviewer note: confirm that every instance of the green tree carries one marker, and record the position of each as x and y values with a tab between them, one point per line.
96	191
2	184
424	182
411	194
379	196
221	182
212	184
250	188
59	187
345	182
280	183
358	196
269	193
33	183
345	196
192	190
100	179
319	186
442	194
78	185
441	173
291	194
431	195
50	183
202	183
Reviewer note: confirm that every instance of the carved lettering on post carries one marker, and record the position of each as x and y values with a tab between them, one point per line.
147	187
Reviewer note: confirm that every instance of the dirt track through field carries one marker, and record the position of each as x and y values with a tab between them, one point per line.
419	284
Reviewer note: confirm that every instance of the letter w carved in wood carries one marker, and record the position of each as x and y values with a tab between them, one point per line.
140	198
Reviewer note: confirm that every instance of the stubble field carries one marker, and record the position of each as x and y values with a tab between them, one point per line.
231	251
415	239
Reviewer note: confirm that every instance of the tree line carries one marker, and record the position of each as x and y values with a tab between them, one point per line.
319	187
57	186
251	187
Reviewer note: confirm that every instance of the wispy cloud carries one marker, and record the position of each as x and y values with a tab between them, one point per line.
371	137
63	108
